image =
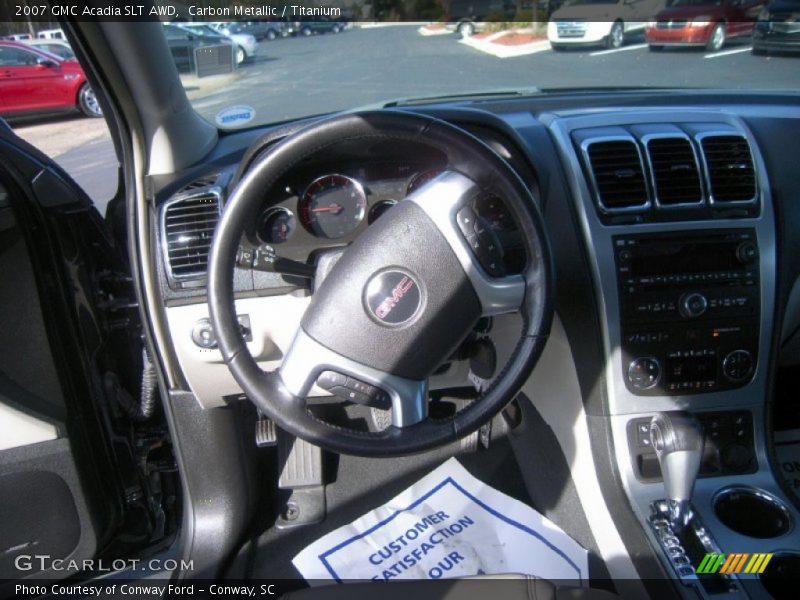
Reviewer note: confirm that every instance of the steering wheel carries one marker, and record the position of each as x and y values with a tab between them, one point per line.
402	297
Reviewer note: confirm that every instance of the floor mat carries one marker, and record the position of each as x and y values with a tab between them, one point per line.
362	484
787	449
447	524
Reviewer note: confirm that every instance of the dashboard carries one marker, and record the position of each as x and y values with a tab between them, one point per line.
673	230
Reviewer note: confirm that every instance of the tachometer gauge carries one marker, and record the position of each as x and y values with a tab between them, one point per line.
277	226
421	179
332	206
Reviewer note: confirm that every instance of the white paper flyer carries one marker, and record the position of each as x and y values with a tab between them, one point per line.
448	524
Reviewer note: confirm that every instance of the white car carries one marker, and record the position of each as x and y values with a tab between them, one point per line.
245	44
51	34
599	22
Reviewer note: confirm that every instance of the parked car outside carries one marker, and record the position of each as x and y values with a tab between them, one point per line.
60	48
51	34
307	28
245	45
466	28
599	22
778	28
33	81
18	37
183	43
468	17
261	30
703	23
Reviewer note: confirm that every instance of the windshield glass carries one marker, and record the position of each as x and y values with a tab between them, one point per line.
318	65
202	29
580	2
698	2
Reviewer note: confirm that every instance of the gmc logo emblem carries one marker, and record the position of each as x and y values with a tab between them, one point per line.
393	297
389	303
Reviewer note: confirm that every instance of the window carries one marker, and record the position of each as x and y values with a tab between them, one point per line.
14	57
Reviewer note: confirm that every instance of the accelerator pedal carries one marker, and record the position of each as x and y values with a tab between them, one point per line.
300	465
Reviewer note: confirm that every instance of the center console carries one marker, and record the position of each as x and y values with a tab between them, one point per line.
677	215
689	308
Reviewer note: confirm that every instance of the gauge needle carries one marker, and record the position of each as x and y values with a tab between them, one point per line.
333	208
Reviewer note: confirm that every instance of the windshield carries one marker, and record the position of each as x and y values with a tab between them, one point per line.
581	2
698	3
202	29
308	67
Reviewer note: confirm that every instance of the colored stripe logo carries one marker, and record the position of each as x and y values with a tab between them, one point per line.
739	562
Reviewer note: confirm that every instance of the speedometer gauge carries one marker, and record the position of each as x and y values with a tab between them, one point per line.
332	206
421	179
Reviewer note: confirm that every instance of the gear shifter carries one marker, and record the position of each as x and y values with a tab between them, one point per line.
677	439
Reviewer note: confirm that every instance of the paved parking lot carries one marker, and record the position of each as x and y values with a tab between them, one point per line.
302	76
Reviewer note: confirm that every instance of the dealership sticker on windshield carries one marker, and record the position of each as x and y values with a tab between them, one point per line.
234	116
448	524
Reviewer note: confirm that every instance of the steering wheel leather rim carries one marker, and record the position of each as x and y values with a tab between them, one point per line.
466	154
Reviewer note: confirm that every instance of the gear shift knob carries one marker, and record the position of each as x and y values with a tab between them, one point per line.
677	439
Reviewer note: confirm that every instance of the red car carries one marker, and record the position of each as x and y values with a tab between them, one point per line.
35	81
707	23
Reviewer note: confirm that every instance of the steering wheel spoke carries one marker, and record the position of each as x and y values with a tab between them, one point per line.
447	201
307	359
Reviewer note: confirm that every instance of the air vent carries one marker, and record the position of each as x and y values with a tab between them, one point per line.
676	177
203	182
188	225
618	174
731	174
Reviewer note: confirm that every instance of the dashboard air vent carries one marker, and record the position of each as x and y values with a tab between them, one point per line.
188	229
618	174
676	177
730	169
203	182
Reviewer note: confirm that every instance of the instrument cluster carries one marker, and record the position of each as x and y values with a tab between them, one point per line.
319	211
335	205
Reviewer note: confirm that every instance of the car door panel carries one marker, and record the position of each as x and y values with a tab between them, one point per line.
43	510
57	475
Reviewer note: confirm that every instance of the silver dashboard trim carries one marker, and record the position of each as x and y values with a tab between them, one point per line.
306	359
646	139
622	404
699	137
213	190
441	199
601	258
586	144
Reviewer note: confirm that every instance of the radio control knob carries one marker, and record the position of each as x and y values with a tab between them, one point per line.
738	365
692	305
644	373
747	252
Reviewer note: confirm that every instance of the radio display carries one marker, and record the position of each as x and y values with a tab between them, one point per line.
665	257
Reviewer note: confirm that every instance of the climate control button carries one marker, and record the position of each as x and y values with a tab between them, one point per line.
644	373
738	365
